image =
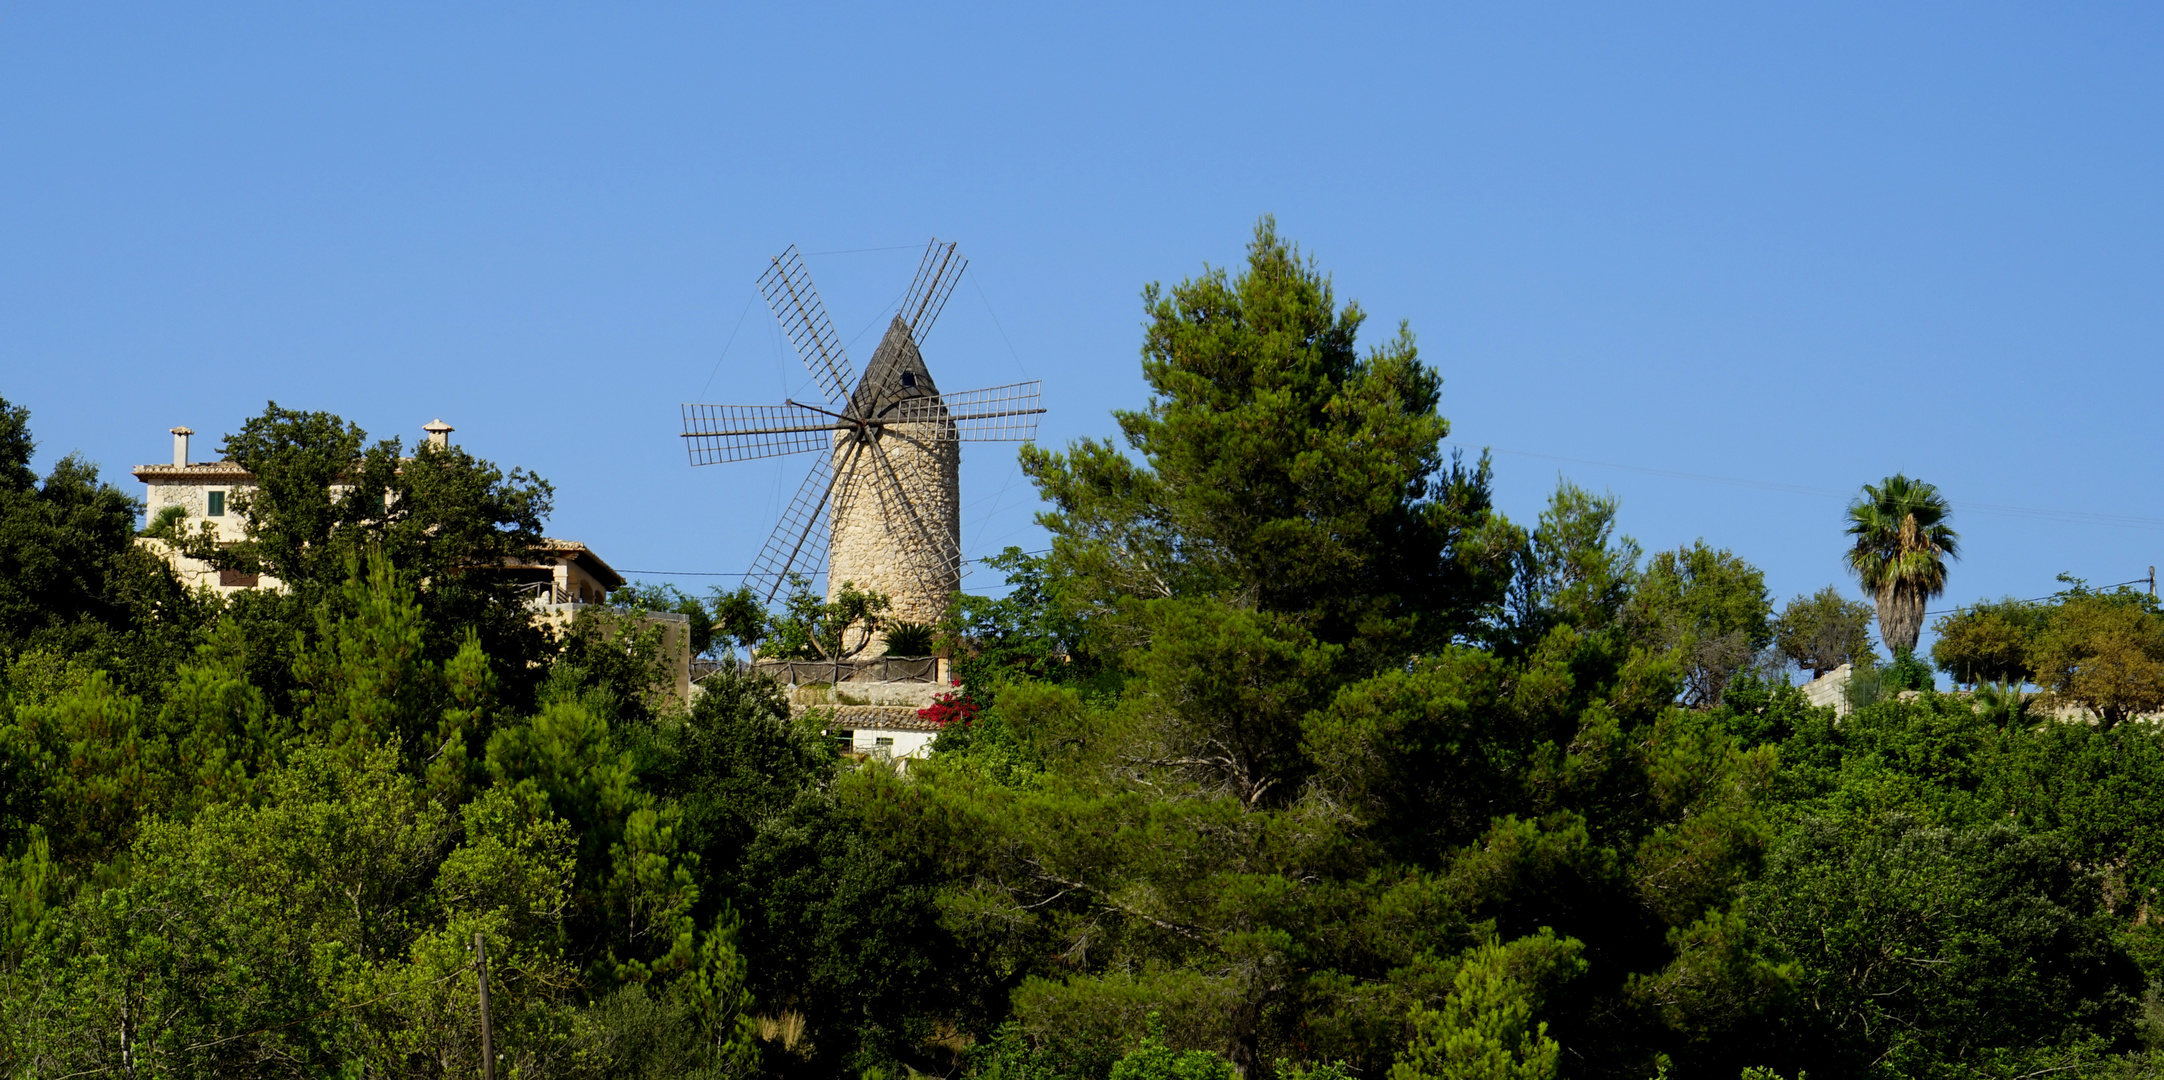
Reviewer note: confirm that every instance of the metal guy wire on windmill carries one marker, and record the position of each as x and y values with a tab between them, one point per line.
881	506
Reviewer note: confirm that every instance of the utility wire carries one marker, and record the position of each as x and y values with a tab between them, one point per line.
745	573
854	251
2033	513
725	348
1769	485
2041	599
893	306
1002	327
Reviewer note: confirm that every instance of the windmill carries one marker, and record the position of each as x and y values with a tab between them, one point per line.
881	504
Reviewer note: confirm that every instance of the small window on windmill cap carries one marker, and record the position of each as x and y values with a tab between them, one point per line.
909	380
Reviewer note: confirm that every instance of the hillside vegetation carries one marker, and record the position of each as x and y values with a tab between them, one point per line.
1290	758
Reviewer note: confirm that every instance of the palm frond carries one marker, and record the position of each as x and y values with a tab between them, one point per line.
1901	544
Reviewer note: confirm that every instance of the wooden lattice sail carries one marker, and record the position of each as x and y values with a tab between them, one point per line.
880	507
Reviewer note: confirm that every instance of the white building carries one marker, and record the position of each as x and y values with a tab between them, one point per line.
556	571
204	490
559	576
565	572
881	732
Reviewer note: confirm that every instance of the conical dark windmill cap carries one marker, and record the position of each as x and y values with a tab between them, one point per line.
896	374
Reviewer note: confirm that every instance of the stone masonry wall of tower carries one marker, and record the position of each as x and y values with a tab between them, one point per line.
877	541
873	546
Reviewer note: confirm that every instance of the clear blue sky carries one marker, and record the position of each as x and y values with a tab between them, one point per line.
1807	245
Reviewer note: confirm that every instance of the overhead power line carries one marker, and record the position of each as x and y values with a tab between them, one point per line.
854	251
742	573
725	348
2034	513
2149	580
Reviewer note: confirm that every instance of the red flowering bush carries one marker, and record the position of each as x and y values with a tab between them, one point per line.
949	707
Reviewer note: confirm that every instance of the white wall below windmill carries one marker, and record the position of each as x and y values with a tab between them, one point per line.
878	732
892	743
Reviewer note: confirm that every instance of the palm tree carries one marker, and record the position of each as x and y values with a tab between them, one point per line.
1902	544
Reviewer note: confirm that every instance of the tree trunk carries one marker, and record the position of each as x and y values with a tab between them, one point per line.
1900	617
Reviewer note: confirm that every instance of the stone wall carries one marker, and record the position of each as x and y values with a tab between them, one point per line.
1829	689
675	637
197	574
192	494
902	695
876	543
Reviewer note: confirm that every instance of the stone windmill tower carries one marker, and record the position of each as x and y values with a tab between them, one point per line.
881	504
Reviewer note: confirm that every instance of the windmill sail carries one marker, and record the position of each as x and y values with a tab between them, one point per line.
788	289
993	414
880	506
715	434
936	277
798	544
925	541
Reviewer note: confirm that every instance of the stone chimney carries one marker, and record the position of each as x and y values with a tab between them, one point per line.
439	433
180	447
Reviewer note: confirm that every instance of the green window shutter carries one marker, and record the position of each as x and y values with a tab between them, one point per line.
217	504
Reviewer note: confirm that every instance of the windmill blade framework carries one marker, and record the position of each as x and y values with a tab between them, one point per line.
718	434
853	469
938	273
788	289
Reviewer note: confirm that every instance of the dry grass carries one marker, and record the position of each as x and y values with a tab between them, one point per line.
786	1029
946	1035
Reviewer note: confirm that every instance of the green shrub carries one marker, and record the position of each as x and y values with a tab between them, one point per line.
911	639
1153	1060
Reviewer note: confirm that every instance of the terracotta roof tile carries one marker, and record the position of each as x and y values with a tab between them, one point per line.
860	717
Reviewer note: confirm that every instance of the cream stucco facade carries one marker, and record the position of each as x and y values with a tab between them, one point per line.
557	571
565	572
204	491
560	577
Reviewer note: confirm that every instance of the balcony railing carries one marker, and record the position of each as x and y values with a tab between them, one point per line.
538	593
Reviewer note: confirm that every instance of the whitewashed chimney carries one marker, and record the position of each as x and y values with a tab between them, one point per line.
439	433
180	447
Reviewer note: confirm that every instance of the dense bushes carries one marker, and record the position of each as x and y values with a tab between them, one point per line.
1286	760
